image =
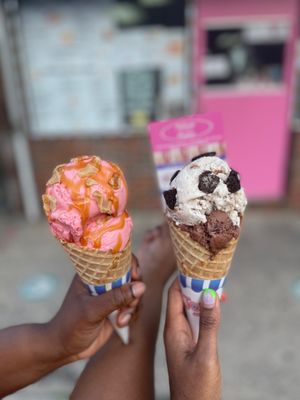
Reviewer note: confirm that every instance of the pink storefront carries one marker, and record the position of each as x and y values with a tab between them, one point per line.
243	64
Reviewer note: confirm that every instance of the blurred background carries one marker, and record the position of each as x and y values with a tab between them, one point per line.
86	78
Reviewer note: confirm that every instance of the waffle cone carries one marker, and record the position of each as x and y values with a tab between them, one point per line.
196	261
98	267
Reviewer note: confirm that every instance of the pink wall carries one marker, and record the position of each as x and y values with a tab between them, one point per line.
255	140
256	121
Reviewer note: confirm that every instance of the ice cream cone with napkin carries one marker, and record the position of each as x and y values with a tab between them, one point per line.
204	208
85	203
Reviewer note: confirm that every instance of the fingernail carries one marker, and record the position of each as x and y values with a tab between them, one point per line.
124	319
208	298
138	289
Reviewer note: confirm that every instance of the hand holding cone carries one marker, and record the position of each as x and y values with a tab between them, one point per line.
85	203
204	209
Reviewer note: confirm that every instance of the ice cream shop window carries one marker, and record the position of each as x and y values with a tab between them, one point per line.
244	54
81	63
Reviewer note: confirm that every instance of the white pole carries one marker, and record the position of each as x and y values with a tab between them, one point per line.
17	116
26	176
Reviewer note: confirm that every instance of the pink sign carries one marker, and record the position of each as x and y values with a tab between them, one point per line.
186	131
176	141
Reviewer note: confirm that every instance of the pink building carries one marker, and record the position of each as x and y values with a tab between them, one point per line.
243	67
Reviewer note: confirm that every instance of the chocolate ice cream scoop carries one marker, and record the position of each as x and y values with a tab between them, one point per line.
214	234
220	230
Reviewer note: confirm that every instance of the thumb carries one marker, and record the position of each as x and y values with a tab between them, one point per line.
209	323
103	305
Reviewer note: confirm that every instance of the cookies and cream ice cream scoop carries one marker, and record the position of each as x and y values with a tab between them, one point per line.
206	199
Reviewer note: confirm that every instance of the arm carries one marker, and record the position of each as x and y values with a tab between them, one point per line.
194	369
79	329
27	353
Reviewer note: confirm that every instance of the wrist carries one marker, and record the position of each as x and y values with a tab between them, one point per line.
55	344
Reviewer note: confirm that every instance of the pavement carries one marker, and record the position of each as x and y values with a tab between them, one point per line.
259	337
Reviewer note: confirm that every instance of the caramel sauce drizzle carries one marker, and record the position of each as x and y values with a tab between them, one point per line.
96	236
81	192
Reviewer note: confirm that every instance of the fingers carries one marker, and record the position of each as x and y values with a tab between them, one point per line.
123	296
209	323
135	269
126	315
175	306
176	322
177	333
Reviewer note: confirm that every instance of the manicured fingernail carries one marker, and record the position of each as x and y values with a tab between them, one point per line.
124	319
208	298
138	289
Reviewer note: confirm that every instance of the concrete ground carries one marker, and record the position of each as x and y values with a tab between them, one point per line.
259	338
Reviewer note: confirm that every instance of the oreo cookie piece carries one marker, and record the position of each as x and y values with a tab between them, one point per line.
170	198
233	181
174	175
211	154
208	182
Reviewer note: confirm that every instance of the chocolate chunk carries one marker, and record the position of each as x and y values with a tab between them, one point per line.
170	198
174	175
233	181
211	154
208	182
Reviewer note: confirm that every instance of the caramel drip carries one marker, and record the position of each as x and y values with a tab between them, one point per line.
81	192
118	245
96	236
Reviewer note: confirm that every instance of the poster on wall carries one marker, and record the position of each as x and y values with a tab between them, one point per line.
80	61
140	96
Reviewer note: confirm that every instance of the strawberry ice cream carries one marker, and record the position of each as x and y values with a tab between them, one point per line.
85	203
107	233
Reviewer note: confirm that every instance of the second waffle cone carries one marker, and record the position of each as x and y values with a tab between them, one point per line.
196	261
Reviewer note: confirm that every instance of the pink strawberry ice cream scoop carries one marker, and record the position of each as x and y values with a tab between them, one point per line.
81	191
107	234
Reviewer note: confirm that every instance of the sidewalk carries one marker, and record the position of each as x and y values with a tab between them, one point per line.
260	321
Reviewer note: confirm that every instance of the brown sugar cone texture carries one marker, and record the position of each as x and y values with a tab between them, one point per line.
196	261
98	267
